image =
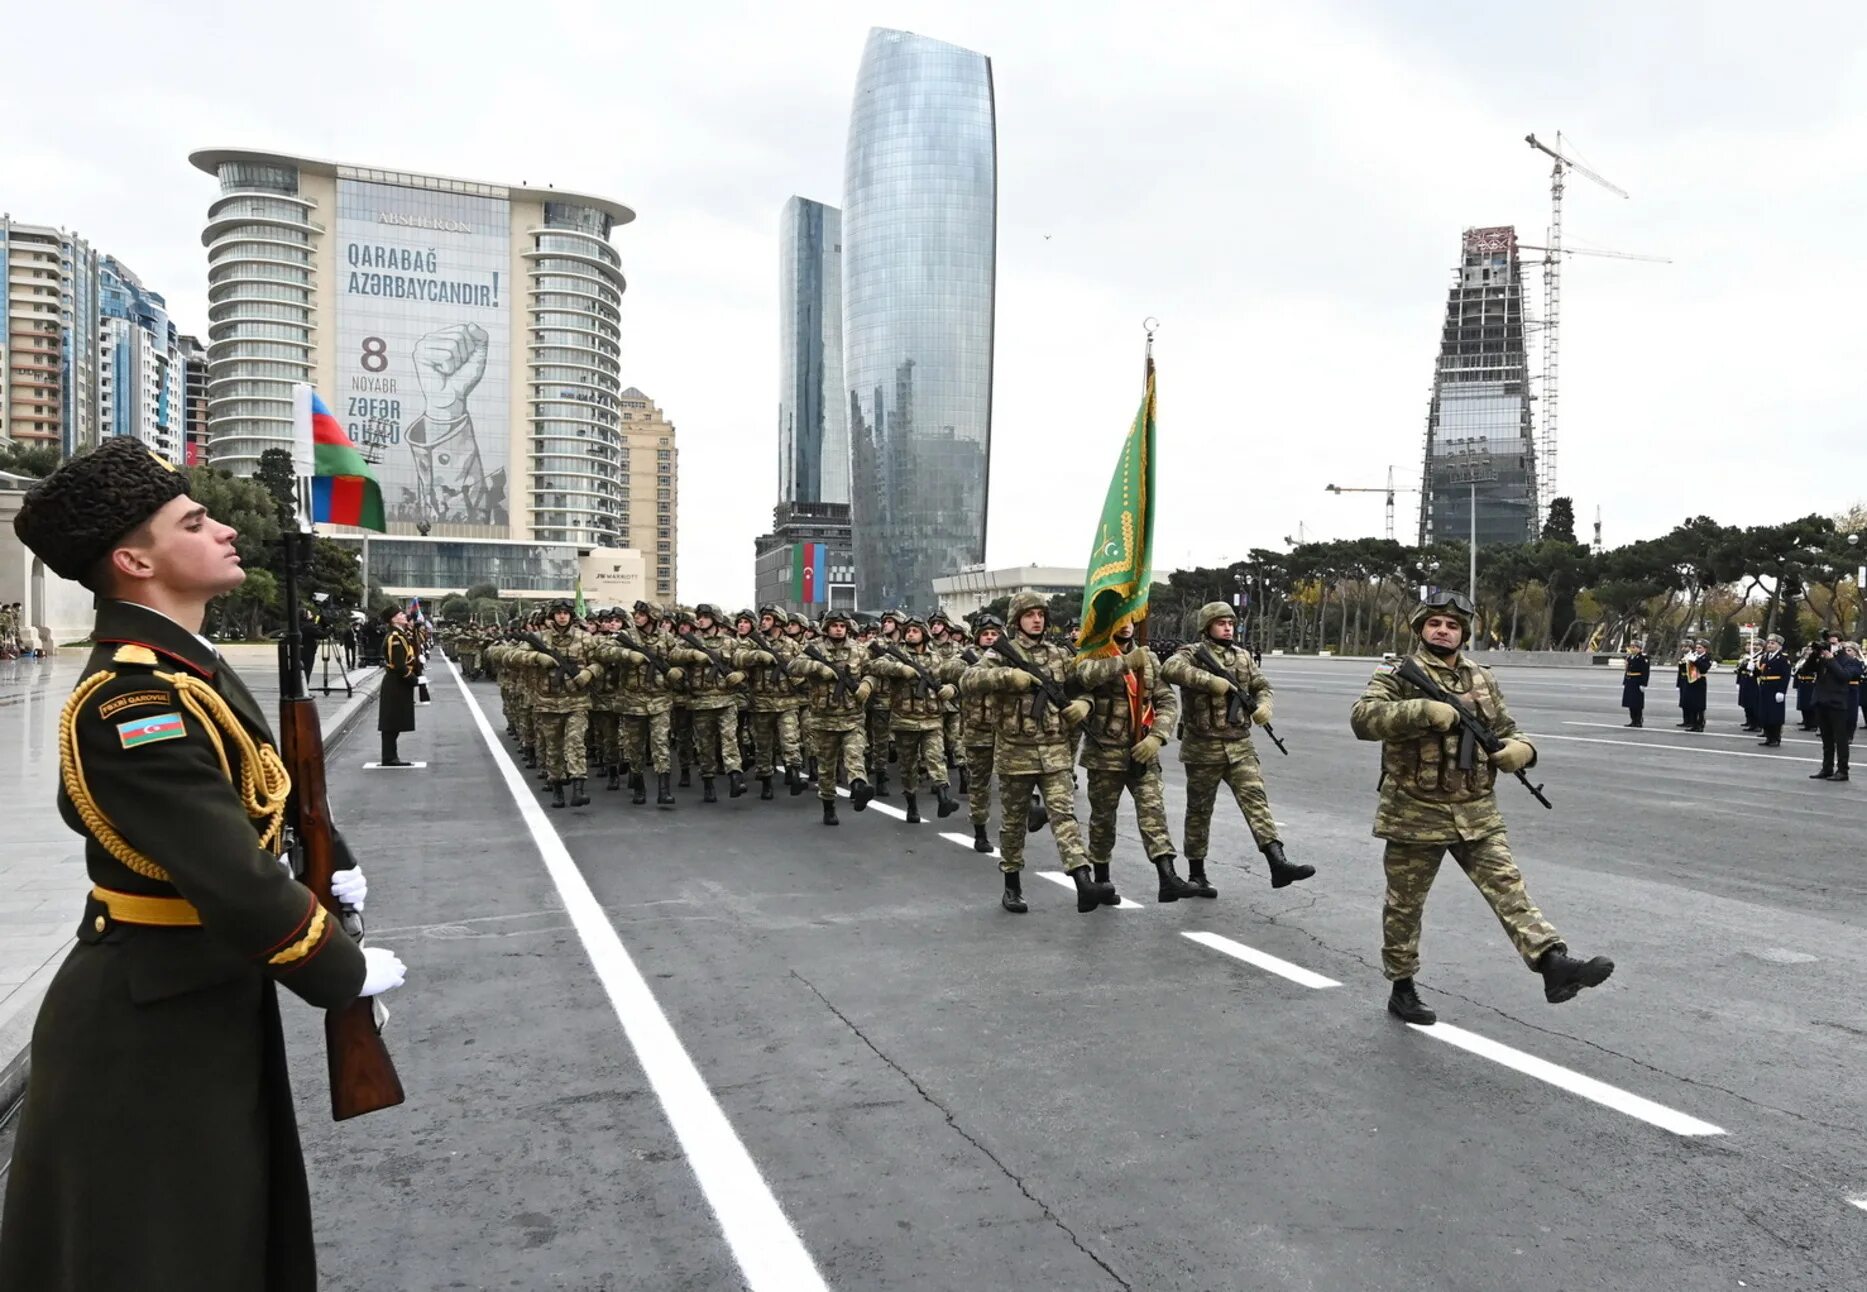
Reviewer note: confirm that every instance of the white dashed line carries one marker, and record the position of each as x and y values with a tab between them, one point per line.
1575	1083
1858	1202
1263	960
965	841
1062	880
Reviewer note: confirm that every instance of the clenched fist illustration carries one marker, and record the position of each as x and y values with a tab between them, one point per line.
449	364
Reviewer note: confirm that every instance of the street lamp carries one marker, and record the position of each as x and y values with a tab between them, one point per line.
1860	590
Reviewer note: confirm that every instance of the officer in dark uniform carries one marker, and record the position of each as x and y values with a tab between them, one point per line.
1773	682
158	1147
1634	684
401	669
1805	685
1694	666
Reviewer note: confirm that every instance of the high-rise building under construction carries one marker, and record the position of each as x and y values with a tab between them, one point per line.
1480	452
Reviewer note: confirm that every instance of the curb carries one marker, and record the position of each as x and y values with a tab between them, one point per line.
18	1068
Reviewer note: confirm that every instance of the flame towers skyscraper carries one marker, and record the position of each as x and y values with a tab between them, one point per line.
920	234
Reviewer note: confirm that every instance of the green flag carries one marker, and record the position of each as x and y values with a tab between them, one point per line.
1121	565
577	604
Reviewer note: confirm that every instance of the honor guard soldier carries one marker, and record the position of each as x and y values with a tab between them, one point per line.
1030	678
1806	669
1772	673
395	702
978	716
157	1146
1694	667
1218	748
1634	683
1430	806
1128	723
839	695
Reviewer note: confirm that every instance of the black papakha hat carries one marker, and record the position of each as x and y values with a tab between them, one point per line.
73	517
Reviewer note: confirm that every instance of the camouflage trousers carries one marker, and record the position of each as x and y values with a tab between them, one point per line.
681	729
1143	784
716	740
775	737
923	754
839	752
881	737
1487	863
645	741
1238	770
979	782
606	736
1059	799
951	730
561	742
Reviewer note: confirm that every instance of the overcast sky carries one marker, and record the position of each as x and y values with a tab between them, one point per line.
1283	186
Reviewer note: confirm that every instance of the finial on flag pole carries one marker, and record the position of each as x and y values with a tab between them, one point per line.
1150	325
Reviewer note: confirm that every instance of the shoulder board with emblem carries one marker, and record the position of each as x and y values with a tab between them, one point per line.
131	653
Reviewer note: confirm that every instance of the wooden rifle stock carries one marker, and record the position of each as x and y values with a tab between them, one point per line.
363	1076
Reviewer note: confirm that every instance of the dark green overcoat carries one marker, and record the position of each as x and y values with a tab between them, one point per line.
395	703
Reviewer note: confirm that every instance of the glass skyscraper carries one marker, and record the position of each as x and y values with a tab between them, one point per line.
920	233
1479	446
813	417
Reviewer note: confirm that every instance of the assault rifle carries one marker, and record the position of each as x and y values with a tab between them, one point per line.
363	1076
566	671
845	684
1049	693
694	641
924	680
656	665
1472	733
1240	704
757	638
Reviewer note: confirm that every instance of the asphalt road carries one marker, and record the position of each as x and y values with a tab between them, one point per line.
725	1046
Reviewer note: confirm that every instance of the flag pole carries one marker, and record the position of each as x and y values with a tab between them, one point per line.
1148	325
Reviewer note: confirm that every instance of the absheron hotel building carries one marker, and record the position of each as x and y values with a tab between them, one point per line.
466	334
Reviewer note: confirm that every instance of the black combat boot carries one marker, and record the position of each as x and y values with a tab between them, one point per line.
1089	894
813	769
914	807
615	778
1196	878
638	787
1172	887
1282	872
735	783
794	780
979	842
965	782
531	755
1109	897
706	790
686	776
881	783
557	794
1012	899
1564	976
664	790
1036	815
1404	1004
764	787
829	812
577	796
944	797
860	793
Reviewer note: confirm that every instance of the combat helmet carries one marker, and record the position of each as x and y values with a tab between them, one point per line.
983	621
914	621
562	603
710	611
832	616
682	615
746	615
1026	601
649	610
1212	612
1445	602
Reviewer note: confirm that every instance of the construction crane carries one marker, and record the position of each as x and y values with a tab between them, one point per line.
1592	251
1390	491
1552	305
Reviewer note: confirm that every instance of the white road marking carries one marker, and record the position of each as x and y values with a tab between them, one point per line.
378	767
876	805
770	1254
1263	960
1859	1202
965	841
1062	880
1690	749
1574	1082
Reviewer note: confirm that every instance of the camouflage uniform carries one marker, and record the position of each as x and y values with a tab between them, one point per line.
561	709
1216	750
645	697
606	704
944	649
775	700
1109	737
882	749
1032	752
713	698
917	717
978	734
837	714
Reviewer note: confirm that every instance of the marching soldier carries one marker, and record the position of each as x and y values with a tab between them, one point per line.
763	655
158	1145
1634	683
1128	723
646	699
712	688
798	633
1772	680
978	728
1217	750
1429	806
1027	676
395	704
681	720
945	641
839	697
882	749
917	715
1694	666
561	707
606	699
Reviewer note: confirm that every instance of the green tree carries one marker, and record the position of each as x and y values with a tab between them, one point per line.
999	608
483	592
22	458
1559	523
455	609
1730	642
250	509
334	571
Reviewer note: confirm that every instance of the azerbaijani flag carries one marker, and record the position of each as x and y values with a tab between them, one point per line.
343	489
808	574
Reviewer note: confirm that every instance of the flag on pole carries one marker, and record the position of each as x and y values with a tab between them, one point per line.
1121	565
336	485
577	603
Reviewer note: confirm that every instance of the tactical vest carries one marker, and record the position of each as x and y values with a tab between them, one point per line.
1110	721
1427	766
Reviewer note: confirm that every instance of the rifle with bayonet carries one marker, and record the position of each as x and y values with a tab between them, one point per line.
1473	734
1240	704
845	684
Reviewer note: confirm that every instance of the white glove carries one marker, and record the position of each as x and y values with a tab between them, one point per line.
349	887
1779	697
383	970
